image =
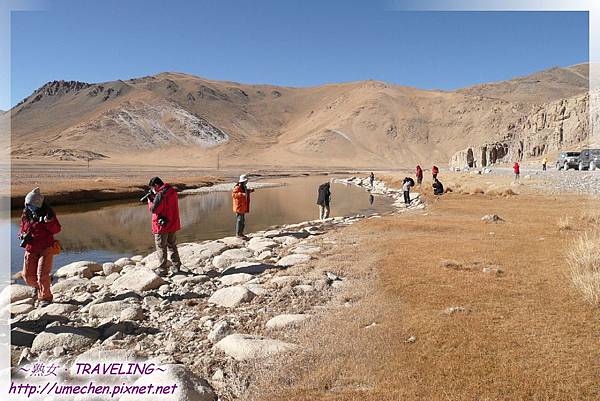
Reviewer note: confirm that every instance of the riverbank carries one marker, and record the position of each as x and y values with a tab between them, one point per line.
69	182
238	295
446	306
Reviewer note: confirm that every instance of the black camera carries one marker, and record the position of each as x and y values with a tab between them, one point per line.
25	239
162	221
149	195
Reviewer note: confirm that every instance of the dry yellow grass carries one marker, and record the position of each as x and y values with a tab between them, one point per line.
565	223
584	262
523	335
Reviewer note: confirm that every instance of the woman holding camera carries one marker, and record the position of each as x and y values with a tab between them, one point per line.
38	226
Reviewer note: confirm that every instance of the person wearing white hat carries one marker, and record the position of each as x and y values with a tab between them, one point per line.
39	224
241	204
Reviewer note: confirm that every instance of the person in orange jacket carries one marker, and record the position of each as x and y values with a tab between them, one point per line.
38	226
241	204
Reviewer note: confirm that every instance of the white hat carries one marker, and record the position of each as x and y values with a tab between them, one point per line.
34	198
243	178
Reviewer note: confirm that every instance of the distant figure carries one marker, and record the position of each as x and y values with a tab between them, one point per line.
323	199
406	184
419	174
544	163
38	226
371	199
438	188
372	179
517	171
163	203
241	204
435	171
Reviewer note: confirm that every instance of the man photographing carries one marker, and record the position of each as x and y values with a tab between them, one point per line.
163	203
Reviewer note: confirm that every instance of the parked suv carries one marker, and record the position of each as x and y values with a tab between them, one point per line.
589	159
567	160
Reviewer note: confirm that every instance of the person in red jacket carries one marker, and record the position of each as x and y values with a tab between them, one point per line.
419	174
241	204
38	226
517	171
435	171
164	206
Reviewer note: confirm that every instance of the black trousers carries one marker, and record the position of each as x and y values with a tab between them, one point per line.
240	223
407	197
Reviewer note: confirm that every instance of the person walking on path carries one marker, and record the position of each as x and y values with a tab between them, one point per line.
517	171
435	171
406	184
241	204
323	199
419	174
544	163
38	226
163	203
372	179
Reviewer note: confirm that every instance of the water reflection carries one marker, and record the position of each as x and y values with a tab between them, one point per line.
123	229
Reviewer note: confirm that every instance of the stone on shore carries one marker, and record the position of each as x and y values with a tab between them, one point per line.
244	347
16	292
140	279
69	284
234	279
109	309
85	269
190	387
292	260
286	320
231	297
70	338
259	244
55	310
230	257
110	268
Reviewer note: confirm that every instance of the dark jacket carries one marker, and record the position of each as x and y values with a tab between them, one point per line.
165	204
438	188
41	233
324	195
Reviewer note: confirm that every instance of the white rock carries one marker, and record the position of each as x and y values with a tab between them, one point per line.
243	346
230	297
292	260
256	289
307	249
84	269
21	309
233	241
110	268
70	338
234	279
56	310
219	331
122	262
286	320
230	257
259	244
134	313
15	292
69	284
109	309
140	279
190	387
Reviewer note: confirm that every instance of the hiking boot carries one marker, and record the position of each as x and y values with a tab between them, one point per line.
43	303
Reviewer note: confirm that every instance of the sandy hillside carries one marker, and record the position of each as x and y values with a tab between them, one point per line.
187	120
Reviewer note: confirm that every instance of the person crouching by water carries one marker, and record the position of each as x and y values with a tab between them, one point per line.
323	199
406	184
241	204
38	226
163	203
438	188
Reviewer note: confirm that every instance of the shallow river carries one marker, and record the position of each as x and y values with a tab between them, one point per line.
104	232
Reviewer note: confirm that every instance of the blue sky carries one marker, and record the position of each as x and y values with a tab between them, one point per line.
290	42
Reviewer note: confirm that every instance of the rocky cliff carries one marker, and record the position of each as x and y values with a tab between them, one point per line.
539	130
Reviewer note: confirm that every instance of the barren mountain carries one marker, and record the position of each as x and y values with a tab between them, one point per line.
183	119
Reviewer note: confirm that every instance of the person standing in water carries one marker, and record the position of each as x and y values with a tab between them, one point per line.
372	179
323	199
241	204
38	226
